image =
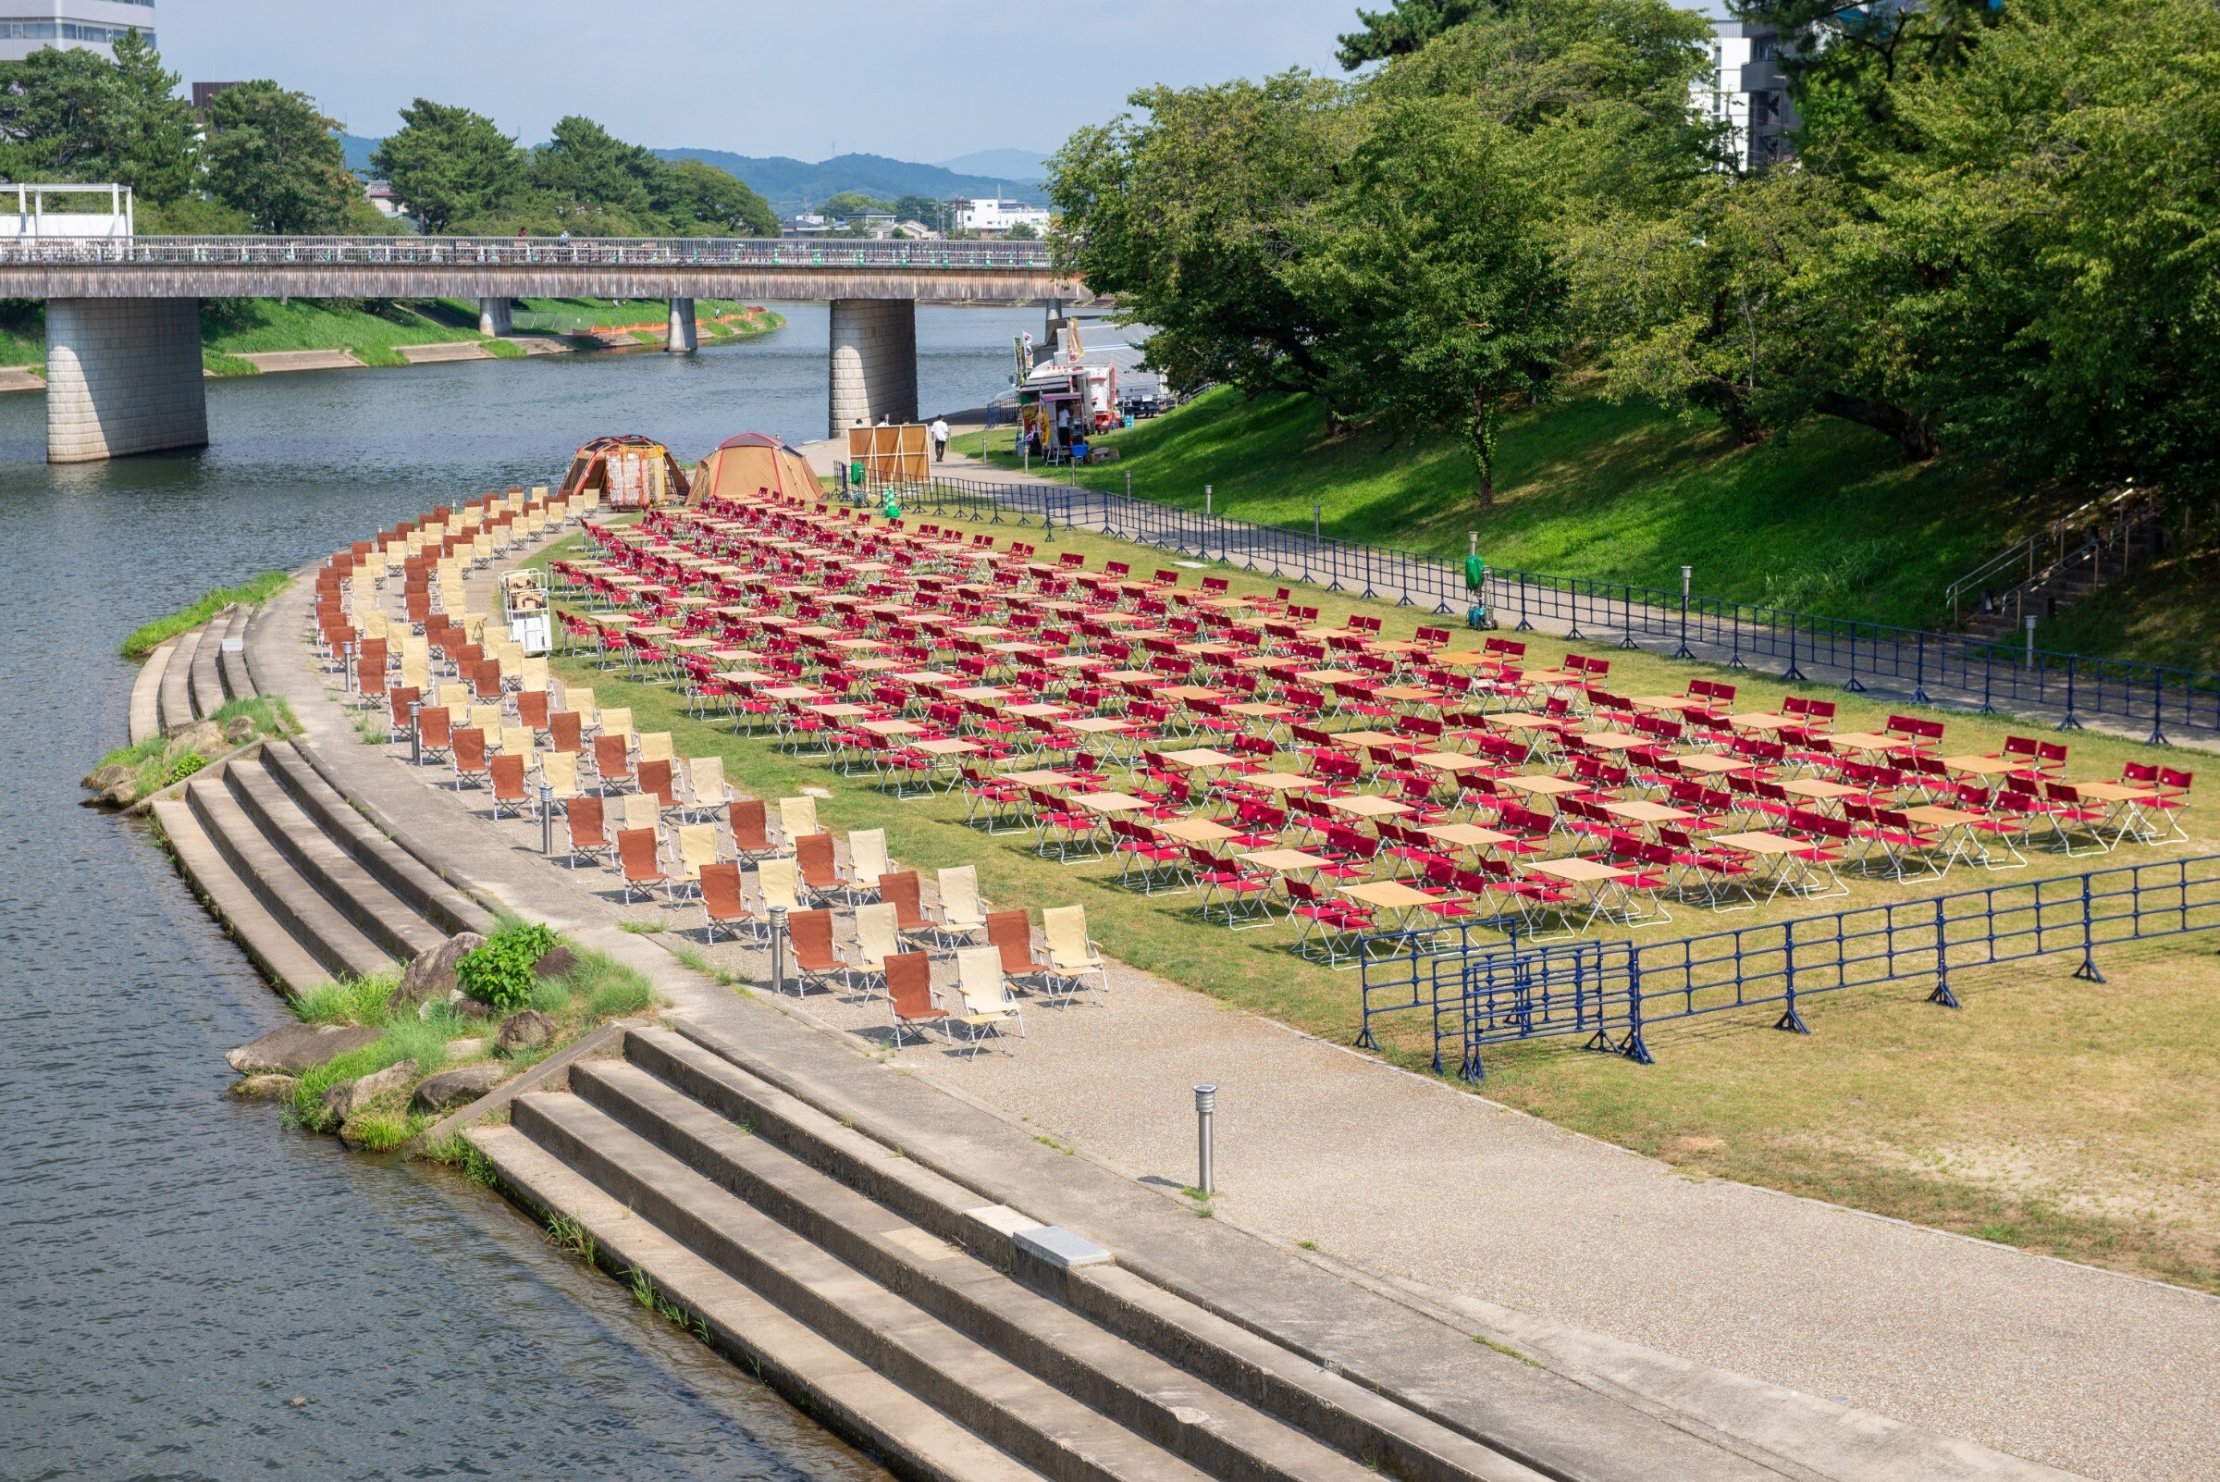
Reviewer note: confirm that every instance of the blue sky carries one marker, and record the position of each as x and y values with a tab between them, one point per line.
921	81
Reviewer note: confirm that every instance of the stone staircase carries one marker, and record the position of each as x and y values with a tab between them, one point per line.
954	1337
2065	563
309	887
191	676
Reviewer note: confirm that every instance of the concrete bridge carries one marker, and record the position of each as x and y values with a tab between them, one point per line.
123	369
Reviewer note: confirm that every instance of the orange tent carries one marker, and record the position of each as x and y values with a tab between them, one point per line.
754	460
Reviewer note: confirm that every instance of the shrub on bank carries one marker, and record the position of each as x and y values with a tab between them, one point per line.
499	974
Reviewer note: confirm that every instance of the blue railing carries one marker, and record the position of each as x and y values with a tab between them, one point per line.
2065	689
1473	990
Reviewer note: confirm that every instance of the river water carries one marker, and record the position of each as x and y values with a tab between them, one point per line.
178	1268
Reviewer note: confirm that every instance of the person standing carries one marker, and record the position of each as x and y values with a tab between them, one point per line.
939	430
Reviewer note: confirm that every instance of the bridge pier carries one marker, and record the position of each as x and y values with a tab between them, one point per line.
680	339
874	361
493	316
123	375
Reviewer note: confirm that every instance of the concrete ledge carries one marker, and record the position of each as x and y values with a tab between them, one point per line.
299	360
441	353
604	1039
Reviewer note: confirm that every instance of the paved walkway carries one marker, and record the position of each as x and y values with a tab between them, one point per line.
1539	1235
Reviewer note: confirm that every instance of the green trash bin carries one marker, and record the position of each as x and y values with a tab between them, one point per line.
855	473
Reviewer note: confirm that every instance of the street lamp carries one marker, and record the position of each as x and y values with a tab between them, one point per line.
1686	572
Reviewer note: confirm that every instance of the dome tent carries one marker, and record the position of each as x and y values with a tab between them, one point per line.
739	466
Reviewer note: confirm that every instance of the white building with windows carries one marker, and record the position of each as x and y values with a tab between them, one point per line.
1748	93
994	217
95	25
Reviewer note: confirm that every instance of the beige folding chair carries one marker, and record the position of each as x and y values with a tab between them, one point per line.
517	741
798	818
655	746
984	997
696	846
616	721
1071	952
487	718
706	793
867	859
455	697
559	771
641	810
579	699
963	910
876	941
779	883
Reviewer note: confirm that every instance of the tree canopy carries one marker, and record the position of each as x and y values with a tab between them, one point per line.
272	156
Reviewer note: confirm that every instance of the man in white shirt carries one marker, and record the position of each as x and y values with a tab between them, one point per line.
939	430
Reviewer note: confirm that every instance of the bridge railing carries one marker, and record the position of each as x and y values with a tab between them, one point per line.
414	251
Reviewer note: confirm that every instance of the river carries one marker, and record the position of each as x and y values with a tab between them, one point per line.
180	1268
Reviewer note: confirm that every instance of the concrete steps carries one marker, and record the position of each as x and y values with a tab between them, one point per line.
264	938
389	922
956	1303
176	707
231	664
312	921
146	694
206	681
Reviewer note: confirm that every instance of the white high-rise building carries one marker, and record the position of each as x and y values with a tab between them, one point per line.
1747	92
95	25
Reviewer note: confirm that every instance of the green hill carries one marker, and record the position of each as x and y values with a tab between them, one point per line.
1829	520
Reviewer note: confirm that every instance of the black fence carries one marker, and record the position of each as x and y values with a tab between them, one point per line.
2065	689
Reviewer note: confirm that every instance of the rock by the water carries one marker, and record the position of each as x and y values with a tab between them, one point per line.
454	1087
240	730
463	1004
299	1047
463	1049
203	736
123	794
526	1029
100	779
348	1097
554	963
431	973
265	1087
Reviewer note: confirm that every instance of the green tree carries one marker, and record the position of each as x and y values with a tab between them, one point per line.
155	147
448	163
922	209
61	115
272	156
852	203
1434	272
597	184
699	197
1190	215
1406	26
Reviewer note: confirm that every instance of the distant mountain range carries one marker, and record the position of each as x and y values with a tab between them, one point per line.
792	185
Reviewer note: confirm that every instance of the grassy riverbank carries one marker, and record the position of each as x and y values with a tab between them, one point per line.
1892	1105
252	592
1828	520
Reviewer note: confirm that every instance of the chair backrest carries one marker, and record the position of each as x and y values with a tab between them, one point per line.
797	817
655	746
959	895
588	829
517	741
811	932
705	780
900	890
563	727
486	718
1065	929
814	854
697	845
979	979
749	833
508	776
610	758
655	781
640	811
909	983
778	882
559	770
1011	934
720	891
579	698
875	933
867	858
470	749
636	852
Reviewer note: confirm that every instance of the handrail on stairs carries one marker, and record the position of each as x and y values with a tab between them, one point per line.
2088	519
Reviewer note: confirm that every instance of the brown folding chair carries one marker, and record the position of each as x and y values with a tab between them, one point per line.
435	729
612	762
1011	933
810	933
813	856
589	828
751	833
531	709
655	780
507	771
470	755
722	909
909	987
901	891
638	857
564	731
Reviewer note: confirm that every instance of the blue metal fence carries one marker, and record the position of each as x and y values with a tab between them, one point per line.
1930	667
1473	990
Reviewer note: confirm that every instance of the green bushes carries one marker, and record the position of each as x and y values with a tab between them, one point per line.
186	765
500	974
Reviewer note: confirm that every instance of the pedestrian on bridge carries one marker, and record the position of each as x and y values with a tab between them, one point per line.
939	430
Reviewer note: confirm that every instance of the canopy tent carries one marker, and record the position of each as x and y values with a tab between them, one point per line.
631	471
739	466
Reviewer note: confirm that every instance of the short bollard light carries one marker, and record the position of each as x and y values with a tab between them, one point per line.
1686	573
778	949
347	666
1206	1111
1206	502
416	733
547	818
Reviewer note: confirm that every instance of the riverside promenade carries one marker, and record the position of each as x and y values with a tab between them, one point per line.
1631	1281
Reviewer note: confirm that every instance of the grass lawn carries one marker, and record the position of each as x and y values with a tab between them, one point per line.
586	315
2165	613
1784	1111
1829	519
253	326
23	335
